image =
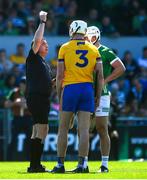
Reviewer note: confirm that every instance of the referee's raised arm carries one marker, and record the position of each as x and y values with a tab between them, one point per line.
39	32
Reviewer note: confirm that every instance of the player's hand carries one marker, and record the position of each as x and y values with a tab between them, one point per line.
97	102
43	16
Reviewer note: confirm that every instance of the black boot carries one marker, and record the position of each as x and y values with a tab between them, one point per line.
35	157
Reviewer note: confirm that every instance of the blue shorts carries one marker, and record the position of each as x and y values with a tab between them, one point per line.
78	97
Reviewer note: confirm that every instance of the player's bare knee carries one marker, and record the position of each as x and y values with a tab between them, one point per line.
102	130
62	132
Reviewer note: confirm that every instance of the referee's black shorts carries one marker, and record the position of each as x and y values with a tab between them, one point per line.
39	106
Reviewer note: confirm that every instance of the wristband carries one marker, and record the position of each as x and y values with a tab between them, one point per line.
42	21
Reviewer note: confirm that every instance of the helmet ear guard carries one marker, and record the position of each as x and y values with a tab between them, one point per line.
93	31
77	27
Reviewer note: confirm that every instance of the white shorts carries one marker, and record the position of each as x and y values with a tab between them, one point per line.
104	107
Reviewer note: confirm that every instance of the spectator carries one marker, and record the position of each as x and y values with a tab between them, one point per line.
134	6
143	79
5	64
131	108
21	116
119	94
37	7
65	4
1	23
31	23
138	21
142	61
17	72
10	29
50	27
22	10
93	19
108	28
144	28
65	21
125	18
19	57
17	22
131	66
136	91
53	62
57	8
8	84
19	11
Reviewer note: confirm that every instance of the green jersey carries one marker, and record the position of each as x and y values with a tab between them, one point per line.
108	57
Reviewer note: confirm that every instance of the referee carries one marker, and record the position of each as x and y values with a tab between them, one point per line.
39	85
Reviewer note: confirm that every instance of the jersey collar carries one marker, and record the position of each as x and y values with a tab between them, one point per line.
99	46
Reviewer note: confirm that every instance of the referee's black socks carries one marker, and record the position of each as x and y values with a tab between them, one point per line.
36	150
32	154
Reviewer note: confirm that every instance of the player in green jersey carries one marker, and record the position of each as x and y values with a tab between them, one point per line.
112	69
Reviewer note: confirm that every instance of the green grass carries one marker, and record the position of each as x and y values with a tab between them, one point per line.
118	170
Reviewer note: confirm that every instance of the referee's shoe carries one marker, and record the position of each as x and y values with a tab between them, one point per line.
58	169
38	169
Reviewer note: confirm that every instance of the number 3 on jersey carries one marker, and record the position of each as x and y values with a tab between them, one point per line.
82	57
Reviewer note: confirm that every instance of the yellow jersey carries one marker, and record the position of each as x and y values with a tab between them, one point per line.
80	58
18	59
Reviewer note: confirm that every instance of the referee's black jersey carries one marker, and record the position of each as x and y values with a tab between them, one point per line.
38	75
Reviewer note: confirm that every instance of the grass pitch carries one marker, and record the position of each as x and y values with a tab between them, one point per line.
118	170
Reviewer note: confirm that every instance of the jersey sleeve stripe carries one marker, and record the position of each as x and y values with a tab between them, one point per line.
60	60
120	62
99	62
98	59
116	59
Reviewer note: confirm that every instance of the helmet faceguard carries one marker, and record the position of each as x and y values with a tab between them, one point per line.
93	31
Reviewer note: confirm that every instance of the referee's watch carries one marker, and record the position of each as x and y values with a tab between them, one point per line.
42	22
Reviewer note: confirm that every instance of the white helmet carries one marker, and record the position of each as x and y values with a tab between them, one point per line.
91	32
77	27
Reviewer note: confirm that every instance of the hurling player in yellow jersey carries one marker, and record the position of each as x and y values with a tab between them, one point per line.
77	60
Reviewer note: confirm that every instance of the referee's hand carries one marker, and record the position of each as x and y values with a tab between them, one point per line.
43	16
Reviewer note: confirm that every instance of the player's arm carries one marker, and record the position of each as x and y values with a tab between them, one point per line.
119	69
39	32
100	80
60	72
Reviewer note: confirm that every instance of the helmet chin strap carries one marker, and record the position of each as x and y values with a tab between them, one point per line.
95	41
75	32
77	29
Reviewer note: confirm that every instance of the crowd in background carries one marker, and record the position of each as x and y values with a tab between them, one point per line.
128	92
114	18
